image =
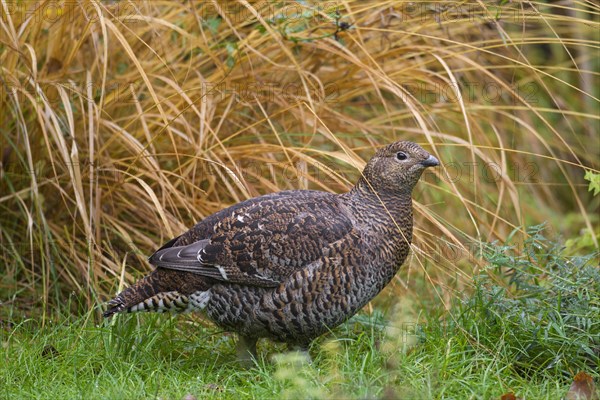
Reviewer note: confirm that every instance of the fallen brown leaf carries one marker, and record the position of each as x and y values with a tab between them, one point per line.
582	388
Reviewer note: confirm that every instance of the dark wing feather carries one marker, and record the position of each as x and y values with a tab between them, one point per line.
261	241
185	258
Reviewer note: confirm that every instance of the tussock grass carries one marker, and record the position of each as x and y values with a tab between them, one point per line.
124	123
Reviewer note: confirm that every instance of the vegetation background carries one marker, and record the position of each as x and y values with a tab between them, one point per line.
123	123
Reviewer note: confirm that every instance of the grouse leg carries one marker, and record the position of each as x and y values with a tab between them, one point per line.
246	350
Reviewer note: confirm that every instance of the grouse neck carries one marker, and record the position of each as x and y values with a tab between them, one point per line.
366	193
397	205
387	220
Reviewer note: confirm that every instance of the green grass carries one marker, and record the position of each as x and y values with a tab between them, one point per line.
167	358
514	333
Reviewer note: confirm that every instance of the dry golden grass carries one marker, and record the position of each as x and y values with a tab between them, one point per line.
124	122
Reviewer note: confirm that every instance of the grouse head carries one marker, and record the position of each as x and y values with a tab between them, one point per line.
397	167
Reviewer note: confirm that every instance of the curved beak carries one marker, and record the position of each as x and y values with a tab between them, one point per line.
431	161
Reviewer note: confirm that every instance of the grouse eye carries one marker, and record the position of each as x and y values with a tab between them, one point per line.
401	156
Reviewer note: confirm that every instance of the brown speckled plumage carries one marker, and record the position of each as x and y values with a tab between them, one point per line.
290	265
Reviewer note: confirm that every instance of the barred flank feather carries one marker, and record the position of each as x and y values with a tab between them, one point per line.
162	302
162	291
172	302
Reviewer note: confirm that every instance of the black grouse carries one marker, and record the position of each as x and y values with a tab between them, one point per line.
290	265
